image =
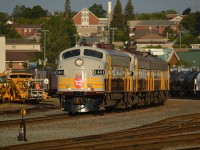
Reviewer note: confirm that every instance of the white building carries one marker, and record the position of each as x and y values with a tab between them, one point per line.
2	54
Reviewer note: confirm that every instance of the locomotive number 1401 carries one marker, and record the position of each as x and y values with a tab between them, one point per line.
99	72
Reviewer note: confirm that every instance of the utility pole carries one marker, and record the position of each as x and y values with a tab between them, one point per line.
44	53
76	38
113	34
44	59
180	38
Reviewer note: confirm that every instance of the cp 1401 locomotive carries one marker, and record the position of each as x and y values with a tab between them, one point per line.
92	79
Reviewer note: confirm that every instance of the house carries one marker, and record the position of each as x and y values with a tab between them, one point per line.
20	52
189	57
29	31
88	24
158	25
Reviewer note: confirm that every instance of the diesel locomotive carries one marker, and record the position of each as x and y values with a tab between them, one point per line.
91	79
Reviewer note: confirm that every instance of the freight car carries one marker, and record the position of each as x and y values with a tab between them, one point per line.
92	79
185	83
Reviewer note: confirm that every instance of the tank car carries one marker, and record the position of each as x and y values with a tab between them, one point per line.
185	83
92	79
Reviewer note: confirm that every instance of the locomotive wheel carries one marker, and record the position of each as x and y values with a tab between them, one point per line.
72	113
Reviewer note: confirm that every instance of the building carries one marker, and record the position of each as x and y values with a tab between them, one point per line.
88	24
31	32
2	54
189	57
20	52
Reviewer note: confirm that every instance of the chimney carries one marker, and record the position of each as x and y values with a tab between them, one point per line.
109	12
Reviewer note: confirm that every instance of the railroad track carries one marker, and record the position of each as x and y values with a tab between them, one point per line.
50	118
181	131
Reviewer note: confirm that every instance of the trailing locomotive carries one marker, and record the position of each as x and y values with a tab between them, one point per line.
92	79
185	83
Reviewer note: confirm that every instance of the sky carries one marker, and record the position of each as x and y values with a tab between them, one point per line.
140	6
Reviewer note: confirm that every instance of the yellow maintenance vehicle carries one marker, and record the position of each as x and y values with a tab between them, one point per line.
22	87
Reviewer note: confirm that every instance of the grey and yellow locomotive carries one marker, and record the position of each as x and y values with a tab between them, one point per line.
92	79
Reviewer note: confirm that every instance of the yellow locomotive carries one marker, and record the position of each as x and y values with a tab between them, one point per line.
92	79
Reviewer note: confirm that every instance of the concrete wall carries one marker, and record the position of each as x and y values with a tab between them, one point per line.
2	54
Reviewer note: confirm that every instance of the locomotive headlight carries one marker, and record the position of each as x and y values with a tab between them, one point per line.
89	85
78	62
68	85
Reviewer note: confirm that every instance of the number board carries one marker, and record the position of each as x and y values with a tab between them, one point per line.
59	72
99	72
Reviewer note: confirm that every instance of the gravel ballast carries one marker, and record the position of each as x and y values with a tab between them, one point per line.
95	124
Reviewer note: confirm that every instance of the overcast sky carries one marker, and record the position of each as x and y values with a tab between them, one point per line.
140	6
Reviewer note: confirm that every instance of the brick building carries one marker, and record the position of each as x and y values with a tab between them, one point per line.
88	24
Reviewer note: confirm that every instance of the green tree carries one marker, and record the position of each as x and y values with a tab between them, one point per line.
197	24
71	31
38	11
118	17
170	33
18	11
67	13
98	10
6	29
186	11
191	23
129	12
57	38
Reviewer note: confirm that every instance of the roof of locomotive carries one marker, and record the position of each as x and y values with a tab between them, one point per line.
145	56
104	51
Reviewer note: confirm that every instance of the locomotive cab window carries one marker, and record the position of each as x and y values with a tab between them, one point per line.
71	53
92	53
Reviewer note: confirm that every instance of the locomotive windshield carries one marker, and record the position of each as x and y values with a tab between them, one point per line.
92	53
71	53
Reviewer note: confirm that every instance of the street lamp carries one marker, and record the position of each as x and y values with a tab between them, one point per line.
44	60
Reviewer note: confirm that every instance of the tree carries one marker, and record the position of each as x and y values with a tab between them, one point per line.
186	11
170	33
6	29
58	37
37	12
98	10
191	23
118	18
197	24
18	11
67	13
128	12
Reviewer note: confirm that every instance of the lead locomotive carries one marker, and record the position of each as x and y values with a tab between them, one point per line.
92	79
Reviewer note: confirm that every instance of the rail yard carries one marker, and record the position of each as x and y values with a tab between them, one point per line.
170	126
106	105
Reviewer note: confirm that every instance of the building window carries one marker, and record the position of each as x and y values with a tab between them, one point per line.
85	17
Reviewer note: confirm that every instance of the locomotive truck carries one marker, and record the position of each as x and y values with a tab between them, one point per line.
91	79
